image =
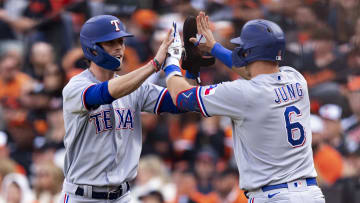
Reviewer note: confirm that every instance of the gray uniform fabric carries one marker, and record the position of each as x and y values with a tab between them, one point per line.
269	146
103	145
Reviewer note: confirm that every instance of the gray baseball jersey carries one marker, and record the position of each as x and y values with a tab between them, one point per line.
103	145
271	125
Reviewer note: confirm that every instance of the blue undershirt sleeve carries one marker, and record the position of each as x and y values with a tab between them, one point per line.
166	105
97	95
223	54
187	100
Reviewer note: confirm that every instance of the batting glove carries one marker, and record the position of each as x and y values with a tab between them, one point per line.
172	63
175	49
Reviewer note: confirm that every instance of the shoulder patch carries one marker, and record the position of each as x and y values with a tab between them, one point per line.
210	90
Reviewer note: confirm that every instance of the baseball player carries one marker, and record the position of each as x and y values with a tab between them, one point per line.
102	115
270	112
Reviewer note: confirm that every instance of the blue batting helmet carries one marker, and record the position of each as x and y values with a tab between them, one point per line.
260	40
97	29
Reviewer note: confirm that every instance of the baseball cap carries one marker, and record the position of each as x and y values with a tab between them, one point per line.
207	154
40	144
330	112
316	124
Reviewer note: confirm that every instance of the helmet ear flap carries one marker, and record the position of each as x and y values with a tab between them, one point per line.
92	51
238	56
243	53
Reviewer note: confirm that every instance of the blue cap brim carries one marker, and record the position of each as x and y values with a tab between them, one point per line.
112	36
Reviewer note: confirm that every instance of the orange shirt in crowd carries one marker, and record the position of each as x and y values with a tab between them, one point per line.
236	196
14	88
328	163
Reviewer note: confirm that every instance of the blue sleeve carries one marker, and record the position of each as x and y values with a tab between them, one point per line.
223	54
97	95
187	100
165	104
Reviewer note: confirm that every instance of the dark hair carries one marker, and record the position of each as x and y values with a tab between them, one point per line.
155	194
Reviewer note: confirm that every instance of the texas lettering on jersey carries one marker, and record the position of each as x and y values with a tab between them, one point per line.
103	120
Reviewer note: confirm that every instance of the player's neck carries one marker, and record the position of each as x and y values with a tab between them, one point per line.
262	67
100	73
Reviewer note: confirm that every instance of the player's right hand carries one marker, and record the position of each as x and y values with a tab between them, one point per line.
163	49
203	28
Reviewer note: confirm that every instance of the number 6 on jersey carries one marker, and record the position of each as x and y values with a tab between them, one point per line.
293	127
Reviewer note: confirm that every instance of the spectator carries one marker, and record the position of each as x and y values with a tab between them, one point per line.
187	191
16	189
204	167
4	150
323	64
43	18
41	56
56	130
47	182
227	187
348	186
74	62
355	39
325	156
331	115
211	135
352	130
153	175
13	83
7	166
156	138
342	16
22	134
152	197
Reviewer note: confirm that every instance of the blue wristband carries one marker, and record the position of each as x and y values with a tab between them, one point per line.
223	54
171	68
191	76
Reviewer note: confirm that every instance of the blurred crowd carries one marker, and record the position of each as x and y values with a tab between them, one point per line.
185	158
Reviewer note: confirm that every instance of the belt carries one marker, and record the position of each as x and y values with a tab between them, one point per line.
105	195
309	182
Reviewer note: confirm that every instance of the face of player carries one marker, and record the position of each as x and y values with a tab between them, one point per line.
115	48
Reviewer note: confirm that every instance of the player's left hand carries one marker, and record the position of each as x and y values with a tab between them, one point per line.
203	28
175	49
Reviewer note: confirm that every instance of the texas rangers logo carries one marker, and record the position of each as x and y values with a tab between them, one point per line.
116	23
210	90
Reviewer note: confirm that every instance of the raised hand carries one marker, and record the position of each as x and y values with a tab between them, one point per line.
203	28
163	49
175	49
